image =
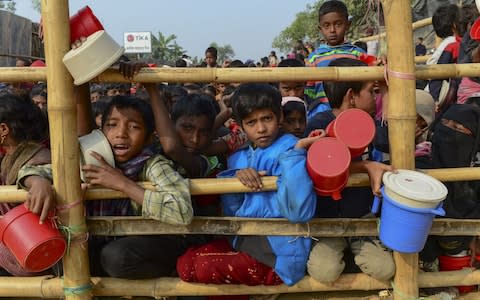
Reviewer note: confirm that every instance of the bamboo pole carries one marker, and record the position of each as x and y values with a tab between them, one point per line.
64	143
415	25
207	186
123	226
401	117
254	74
46	287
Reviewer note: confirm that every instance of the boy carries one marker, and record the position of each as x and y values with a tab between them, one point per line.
128	125
256	260
333	24
326	259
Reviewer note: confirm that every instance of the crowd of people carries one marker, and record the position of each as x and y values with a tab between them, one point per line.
168	134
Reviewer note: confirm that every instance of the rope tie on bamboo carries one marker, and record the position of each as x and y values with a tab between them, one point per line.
308	235
401	75
78	290
74	233
403	296
69	205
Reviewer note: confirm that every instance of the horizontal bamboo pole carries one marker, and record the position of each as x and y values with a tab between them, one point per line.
422	59
254	74
415	25
47	287
206	186
325	227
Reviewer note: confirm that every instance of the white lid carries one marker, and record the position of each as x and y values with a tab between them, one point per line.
415	186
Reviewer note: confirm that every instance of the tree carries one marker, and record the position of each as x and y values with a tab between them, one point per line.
223	52
166	48
364	14
37	6
9	6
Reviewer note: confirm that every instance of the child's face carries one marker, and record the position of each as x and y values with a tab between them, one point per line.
365	99
292	89
126	133
94	96
113	92
261	127
295	123
333	27
195	132
210	59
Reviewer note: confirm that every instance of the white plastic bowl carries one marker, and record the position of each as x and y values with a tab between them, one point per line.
94	56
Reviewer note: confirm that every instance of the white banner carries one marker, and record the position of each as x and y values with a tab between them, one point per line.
137	42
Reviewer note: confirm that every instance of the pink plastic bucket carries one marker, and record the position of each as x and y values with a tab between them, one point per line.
328	161
83	23
355	128
36	246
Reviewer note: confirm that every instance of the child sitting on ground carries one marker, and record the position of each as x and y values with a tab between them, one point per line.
256	260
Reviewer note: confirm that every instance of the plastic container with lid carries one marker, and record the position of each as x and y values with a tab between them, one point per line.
328	161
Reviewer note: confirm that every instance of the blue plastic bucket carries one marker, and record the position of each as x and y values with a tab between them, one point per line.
405	229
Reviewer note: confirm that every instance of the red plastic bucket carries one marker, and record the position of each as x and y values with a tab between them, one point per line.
328	160
453	263
36	246
355	128
84	23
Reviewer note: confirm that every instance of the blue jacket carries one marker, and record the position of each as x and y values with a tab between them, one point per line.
294	200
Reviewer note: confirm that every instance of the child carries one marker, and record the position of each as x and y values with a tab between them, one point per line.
326	259
333	24
255	260
128	125
22	127
295	116
211	57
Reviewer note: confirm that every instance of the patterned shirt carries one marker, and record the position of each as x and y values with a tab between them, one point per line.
321	57
170	201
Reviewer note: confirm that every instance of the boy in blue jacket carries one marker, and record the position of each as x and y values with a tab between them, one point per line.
256	260
333	23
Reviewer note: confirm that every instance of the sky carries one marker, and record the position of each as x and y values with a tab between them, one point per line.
249	26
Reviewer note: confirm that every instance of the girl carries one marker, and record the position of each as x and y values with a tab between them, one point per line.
294	116
19	141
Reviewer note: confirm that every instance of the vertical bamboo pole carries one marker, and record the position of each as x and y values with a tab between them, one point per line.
401	120
64	145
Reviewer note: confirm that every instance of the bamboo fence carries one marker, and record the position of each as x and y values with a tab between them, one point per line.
415	25
64	144
62	114
254	74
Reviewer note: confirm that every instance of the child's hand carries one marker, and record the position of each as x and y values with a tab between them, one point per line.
375	172
251	178
131	68
104	175
315	135
41	197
